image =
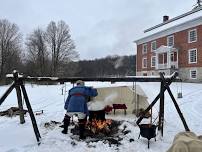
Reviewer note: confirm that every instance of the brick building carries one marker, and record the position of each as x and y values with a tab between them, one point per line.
174	45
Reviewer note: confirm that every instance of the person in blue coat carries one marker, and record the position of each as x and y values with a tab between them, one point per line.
76	104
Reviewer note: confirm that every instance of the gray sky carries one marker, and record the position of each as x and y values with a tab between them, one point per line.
98	27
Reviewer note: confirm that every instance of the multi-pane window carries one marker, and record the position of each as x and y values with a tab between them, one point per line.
193	56
144	62
193	74
153	46
173	57
144	48
192	36
153	61
170	40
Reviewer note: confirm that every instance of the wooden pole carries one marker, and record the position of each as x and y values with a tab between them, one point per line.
87	79
36	130
19	97
175	103
161	109
7	93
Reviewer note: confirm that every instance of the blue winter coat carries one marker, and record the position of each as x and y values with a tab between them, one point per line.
77	99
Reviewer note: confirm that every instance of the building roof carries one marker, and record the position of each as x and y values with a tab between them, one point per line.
169	28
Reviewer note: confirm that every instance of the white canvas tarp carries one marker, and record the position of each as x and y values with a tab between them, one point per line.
133	96
186	142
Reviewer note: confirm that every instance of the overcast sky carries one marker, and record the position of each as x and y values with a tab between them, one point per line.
98	27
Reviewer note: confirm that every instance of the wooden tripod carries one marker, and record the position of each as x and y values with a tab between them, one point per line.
164	86
19	86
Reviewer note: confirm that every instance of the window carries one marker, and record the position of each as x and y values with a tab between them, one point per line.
144	62
192	36
144	48
144	74
172	57
153	61
170	40
193	74
192	56
153	46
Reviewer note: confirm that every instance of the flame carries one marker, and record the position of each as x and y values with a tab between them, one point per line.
98	125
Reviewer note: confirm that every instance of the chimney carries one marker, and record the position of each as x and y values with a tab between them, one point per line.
165	18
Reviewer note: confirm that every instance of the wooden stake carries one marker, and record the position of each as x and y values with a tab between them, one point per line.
175	103
7	93
19	97
155	100
36	130
161	109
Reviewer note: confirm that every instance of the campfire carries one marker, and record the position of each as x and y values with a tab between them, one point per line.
97	126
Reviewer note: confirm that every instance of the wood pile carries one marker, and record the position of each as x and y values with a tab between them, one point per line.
13	111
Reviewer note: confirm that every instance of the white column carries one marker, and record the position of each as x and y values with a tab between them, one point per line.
177	58
168	58
157	61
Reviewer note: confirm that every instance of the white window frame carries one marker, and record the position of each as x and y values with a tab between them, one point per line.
168	38
152	46
152	61
192	70
143	50
143	62
189	53
189	32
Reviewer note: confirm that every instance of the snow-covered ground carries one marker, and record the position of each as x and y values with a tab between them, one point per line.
16	137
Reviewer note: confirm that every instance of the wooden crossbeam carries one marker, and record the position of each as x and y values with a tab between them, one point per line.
102	79
169	81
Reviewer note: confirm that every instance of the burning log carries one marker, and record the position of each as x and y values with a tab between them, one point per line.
99	126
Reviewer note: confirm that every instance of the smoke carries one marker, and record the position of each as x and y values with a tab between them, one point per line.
118	62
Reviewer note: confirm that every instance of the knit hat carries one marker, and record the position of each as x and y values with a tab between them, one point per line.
80	82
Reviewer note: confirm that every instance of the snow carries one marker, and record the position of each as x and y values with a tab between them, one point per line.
16	137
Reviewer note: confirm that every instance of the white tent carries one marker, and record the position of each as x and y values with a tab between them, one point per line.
132	96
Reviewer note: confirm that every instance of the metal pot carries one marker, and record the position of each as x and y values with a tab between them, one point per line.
147	131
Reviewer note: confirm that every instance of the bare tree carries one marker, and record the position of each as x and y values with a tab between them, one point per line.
61	45
10	46
37	52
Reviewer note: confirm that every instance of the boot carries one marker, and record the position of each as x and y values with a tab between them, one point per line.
82	123
81	131
66	122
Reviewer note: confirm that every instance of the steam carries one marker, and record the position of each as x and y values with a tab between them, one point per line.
110	98
96	105
100	105
118	63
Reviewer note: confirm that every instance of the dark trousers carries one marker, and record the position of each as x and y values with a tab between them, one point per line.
66	122
82	123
